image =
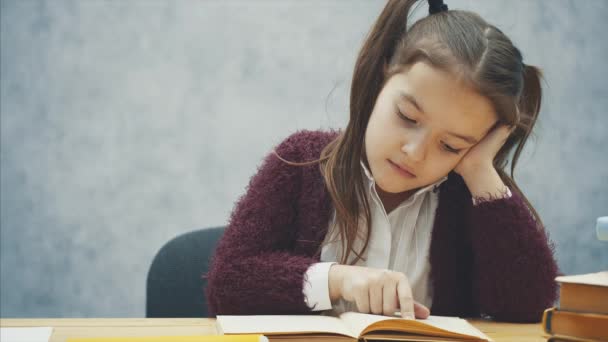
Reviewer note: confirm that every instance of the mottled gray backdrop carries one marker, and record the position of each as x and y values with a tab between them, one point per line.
125	123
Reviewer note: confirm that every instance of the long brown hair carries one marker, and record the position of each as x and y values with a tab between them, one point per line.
460	42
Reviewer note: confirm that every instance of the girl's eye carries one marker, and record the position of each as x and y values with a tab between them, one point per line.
450	149
446	147
406	118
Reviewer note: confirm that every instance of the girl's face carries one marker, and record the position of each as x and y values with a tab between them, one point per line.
424	121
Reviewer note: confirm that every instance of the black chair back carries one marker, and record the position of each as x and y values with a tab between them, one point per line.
175	287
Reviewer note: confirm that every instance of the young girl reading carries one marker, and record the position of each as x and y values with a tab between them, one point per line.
409	208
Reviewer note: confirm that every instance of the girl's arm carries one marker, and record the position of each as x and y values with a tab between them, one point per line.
514	266
253	270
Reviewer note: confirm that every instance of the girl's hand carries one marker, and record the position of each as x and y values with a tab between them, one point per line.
481	156
374	291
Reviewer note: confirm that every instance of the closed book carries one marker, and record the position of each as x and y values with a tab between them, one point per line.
350	326
568	325
586	293
567	339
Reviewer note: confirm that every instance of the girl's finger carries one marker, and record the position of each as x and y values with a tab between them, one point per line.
375	298
406	300
421	311
503	132
362	301
389	299
497	137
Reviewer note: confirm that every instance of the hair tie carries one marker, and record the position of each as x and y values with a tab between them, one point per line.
436	6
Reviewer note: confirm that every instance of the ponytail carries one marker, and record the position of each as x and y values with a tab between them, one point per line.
375	54
528	109
528	106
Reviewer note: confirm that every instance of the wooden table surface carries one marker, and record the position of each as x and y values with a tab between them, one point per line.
127	327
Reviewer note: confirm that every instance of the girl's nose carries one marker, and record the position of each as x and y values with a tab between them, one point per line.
415	147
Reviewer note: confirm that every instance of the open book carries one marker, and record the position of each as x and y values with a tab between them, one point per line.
351	326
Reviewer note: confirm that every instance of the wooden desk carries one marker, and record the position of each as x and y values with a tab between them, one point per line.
99	327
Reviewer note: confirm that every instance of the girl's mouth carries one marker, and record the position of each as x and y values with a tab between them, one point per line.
401	171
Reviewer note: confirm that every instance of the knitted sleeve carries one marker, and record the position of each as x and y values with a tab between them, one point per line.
253	270
514	267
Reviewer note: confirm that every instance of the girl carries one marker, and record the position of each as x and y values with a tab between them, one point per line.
409	208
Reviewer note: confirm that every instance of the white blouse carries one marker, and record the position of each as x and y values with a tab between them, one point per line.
399	241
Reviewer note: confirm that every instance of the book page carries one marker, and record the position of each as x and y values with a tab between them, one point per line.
597	279
434	325
282	325
206	338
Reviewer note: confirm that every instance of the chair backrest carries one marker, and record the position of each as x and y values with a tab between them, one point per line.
175	286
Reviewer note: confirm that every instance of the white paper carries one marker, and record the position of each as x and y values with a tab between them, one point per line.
40	334
597	279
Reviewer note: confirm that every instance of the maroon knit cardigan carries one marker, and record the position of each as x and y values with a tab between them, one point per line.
486	260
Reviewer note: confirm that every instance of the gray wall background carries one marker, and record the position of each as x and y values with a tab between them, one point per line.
126	123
